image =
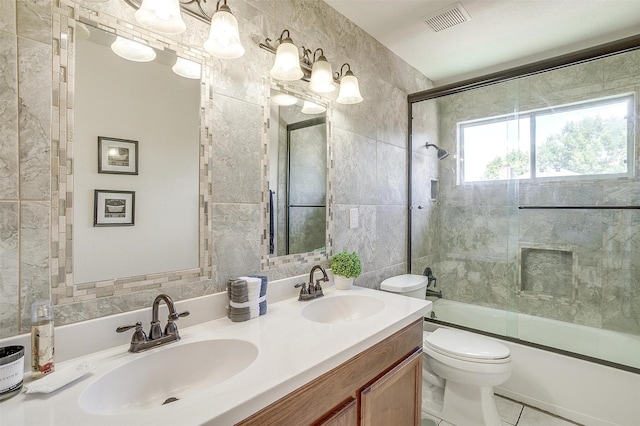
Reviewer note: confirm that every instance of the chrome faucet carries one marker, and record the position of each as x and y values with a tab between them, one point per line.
431	279
140	342
314	290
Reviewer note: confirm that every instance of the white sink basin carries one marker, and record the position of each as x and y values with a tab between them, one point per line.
340	309
171	372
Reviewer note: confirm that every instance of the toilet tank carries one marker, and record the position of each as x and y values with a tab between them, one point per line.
407	285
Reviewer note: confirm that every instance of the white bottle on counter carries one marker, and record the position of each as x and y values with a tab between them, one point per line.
42	339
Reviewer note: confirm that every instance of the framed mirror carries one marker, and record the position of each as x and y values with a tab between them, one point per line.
132	141
298	168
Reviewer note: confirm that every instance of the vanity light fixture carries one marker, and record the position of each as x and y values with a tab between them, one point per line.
224	37
284	99
286	66
161	15
187	69
132	50
165	16
312	108
321	74
349	88
82	31
290	66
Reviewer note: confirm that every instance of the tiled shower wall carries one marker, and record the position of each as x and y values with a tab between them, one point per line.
369	144
586	262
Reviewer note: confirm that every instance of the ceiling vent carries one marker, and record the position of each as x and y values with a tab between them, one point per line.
447	17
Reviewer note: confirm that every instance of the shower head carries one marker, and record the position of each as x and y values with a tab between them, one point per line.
442	153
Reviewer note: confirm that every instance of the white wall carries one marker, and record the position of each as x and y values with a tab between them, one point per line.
166	188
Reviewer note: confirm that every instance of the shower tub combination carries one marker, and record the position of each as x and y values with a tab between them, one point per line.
587	375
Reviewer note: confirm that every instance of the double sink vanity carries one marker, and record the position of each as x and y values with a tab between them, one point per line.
334	360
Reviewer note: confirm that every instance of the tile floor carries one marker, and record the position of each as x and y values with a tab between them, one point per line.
513	414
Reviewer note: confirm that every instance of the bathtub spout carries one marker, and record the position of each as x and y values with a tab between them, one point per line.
434	293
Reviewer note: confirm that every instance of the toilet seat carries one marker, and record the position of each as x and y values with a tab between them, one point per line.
466	347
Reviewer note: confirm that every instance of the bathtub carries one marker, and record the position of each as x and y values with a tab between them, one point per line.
566	382
611	346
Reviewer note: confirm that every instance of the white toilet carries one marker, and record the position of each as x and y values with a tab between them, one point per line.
459	368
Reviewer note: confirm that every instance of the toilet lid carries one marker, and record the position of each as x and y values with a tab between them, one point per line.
467	345
404	283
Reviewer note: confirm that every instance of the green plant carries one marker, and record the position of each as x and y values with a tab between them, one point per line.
346	264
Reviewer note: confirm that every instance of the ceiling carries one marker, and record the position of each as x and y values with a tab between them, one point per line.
500	34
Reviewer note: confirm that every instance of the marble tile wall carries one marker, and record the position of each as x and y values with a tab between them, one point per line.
370	153
25	108
476	249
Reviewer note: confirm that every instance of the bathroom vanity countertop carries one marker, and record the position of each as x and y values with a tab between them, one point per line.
292	352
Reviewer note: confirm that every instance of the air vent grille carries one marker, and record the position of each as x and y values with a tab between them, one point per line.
447	17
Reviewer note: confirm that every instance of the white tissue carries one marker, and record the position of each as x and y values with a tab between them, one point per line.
54	381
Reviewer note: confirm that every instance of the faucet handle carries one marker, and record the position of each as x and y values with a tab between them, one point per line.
303	288
174	316
138	335
124	328
318	286
171	329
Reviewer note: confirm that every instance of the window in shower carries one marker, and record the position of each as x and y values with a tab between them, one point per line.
584	139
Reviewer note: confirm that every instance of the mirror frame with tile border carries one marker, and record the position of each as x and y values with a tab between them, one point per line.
267	261
66	16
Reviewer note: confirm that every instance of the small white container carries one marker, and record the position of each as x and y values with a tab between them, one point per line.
342	283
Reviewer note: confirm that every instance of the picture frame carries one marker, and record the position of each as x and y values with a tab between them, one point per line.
117	156
113	208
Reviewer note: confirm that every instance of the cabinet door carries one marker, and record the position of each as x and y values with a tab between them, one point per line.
395	398
346	415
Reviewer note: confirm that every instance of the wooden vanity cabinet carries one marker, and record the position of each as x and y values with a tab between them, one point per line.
379	386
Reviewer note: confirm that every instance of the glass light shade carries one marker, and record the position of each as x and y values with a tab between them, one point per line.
321	77
349	90
187	69
311	108
162	16
224	38
132	50
82	31
283	99
286	66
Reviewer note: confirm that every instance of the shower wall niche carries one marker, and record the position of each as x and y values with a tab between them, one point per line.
547	273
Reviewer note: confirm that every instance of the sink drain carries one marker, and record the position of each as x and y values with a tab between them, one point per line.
169	400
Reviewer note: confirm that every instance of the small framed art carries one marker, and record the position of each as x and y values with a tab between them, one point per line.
113	208
118	156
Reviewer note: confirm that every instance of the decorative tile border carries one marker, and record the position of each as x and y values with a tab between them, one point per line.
274	262
66	16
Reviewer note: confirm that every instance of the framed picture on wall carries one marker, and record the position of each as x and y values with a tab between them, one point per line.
118	156
113	208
